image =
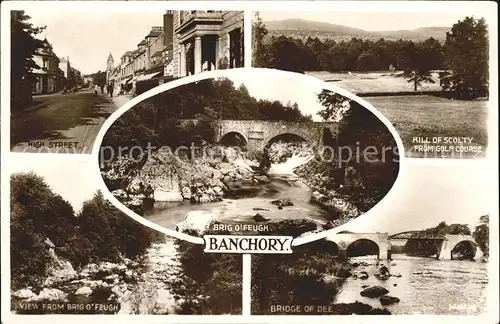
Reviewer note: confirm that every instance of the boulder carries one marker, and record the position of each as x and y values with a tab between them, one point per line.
388	300
374	291
218	191
160	195
196	222
186	192
24	294
363	275
112	277
84	291
259	218
51	294
383	273
282	203
119	194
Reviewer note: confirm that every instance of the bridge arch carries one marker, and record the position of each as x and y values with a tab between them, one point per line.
363	246
345	240
471	244
287	137
232	138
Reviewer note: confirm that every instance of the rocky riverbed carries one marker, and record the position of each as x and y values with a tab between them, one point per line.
169	181
143	286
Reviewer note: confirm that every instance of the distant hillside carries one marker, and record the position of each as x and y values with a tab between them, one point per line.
300	28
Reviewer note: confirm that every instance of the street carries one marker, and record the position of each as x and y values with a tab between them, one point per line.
62	123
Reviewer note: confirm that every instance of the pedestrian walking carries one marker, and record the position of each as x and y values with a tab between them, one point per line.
110	90
96	89
102	88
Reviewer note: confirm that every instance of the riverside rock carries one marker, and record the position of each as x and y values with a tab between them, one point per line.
363	275
374	291
160	195
196	222
50	294
84	291
259	218
186	193
282	203
388	300
24	294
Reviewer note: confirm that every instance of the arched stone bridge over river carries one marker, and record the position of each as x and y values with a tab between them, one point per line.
259	133
385	242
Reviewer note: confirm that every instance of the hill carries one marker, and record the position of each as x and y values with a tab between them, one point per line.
300	28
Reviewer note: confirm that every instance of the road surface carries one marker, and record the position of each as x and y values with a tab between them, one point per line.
62	123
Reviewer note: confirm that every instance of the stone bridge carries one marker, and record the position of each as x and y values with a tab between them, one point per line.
258	133
444	243
344	240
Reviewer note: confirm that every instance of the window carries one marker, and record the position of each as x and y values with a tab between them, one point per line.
45	61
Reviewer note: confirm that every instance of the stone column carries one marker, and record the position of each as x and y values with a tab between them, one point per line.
182	63
217	52
197	54
383	254
443	251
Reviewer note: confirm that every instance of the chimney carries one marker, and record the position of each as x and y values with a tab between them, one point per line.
168	29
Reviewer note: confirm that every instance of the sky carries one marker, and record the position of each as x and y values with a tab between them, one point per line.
283	88
429	194
381	21
72	177
88	37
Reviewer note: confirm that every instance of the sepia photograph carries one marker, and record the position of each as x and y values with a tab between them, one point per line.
252	151
69	73
73	252
426	252
427	72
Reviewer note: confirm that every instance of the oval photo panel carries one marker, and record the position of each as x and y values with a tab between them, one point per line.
247	151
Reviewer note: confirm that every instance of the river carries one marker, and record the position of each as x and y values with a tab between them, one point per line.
245	200
427	286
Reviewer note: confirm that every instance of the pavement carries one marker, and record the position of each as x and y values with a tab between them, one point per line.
62	123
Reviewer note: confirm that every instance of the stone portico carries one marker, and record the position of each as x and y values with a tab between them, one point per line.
207	40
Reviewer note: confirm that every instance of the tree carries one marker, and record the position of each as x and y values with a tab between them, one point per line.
24	45
418	68
334	106
482	234
259	31
466	57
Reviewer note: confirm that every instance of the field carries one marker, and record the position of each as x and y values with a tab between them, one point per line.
373	82
430	116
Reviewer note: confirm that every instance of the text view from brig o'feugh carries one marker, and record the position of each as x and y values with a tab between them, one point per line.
67	80
255	151
427	73
73	252
424	253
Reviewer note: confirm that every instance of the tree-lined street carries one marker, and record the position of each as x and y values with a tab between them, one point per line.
62	123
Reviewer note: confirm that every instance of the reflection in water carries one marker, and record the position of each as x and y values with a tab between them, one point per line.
426	286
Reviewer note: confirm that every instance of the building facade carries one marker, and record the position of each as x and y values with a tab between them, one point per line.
207	40
49	77
189	42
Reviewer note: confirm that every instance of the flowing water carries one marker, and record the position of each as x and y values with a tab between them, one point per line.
247	199
427	286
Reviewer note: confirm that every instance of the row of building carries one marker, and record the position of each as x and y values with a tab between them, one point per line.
189	42
55	73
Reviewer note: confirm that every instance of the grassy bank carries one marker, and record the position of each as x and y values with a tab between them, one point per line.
433	116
